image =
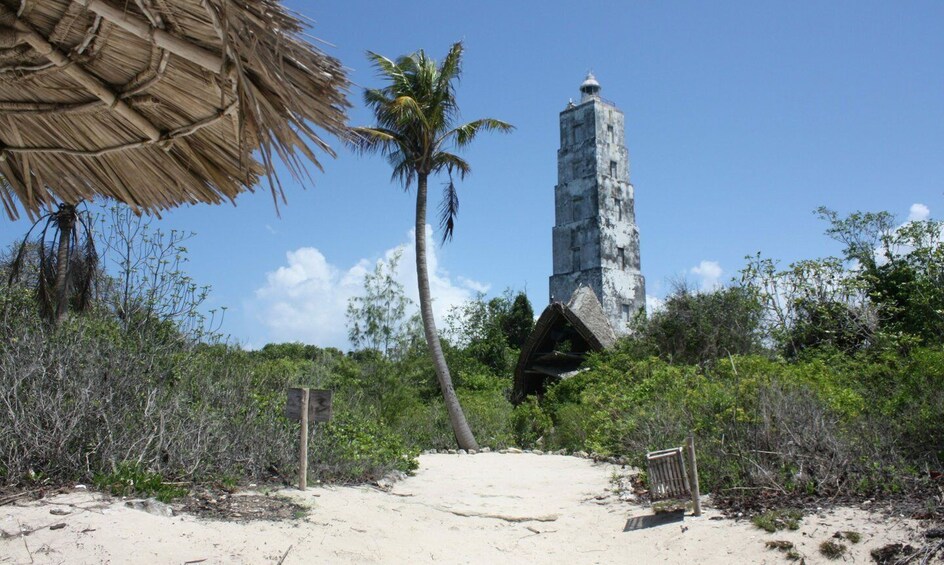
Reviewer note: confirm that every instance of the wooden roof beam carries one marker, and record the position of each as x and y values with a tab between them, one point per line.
144	30
26	34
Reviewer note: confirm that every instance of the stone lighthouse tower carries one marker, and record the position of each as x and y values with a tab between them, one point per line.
596	241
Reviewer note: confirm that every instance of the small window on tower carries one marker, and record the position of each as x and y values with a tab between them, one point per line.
609	134
618	204
612	168
626	312
621	257
576	204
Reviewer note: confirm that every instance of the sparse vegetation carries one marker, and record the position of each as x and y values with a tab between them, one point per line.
776	520
854	537
832	550
786	547
129	479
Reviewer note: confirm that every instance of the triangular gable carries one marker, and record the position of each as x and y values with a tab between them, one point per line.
561	340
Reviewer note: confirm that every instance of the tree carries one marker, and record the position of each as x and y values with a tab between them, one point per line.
377	320
476	329
416	113
519	321
811	304
149	285
901	268
699	327
67	277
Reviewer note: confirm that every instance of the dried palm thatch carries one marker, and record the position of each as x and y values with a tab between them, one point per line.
157	103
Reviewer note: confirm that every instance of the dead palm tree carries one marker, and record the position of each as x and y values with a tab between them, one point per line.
66	263
416	114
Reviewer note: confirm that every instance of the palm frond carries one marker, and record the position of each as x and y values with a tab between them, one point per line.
448	210
451	67
16	267
464	134
86	268
408	111
372	140
451	163
405	172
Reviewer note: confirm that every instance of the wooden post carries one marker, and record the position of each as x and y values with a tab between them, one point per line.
693	475
303	444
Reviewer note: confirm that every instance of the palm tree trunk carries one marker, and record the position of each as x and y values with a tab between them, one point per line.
66	222
460	426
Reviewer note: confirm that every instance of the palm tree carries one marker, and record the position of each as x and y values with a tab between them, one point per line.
66	268
416	114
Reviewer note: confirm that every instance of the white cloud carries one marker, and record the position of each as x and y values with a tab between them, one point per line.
918	212
654	304
306	299
473	285
710	274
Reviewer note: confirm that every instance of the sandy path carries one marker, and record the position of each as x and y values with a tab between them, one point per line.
485	508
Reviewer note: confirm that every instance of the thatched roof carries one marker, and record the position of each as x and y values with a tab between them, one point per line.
157	103
560	342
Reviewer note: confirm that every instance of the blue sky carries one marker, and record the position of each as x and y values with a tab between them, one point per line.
742	118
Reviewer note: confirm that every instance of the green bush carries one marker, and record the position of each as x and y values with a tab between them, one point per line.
822	424
529	423
490	415
354	449
130	479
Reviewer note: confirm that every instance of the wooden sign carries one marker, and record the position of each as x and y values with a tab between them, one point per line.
308	406
293	406
319	404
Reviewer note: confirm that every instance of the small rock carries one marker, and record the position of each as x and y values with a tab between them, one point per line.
581	454
473	451
560	452
538	452
58	526
511	450
80	487
452	452
151	506
463	452
59	512
503	451
485	450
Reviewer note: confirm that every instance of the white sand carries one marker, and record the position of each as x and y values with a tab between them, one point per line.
485	508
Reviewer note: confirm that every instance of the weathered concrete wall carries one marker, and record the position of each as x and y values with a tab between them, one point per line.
595	238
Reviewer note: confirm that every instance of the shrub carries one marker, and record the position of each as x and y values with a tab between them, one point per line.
775	520
831	549
129	478
529	423
355	449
